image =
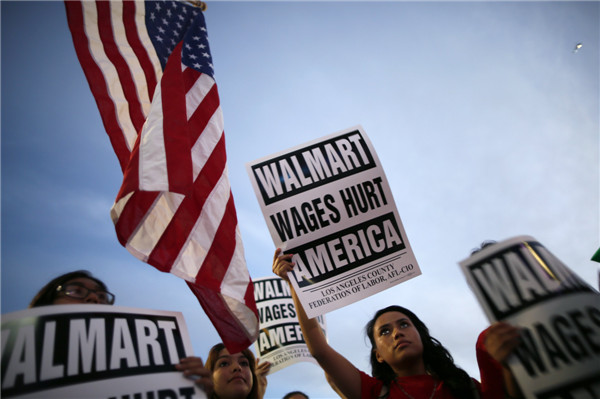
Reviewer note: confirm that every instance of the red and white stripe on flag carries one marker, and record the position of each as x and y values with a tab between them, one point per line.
175	209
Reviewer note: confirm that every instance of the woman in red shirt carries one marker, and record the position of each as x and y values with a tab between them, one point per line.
406	361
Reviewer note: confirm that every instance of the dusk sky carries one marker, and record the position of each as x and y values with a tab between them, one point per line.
484	115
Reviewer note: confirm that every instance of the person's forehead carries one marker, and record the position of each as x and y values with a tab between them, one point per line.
86	282
390	317
224	353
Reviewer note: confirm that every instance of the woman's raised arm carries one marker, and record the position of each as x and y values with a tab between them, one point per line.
342	373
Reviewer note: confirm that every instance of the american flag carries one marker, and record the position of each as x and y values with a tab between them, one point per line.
150	70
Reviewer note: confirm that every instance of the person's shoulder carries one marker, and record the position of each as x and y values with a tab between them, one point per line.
370	387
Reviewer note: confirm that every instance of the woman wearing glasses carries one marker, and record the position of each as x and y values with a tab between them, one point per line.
248	379
78	287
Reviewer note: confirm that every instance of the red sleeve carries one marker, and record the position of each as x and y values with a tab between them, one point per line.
492	380
369	387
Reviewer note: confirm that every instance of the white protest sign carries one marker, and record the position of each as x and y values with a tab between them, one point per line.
95	351
280	339
329	204
519	281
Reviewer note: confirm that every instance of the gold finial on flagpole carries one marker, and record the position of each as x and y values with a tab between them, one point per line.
198	3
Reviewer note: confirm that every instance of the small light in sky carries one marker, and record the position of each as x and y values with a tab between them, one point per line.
577	47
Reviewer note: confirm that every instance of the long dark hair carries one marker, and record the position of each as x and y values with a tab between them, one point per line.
438	361
211	360
47	294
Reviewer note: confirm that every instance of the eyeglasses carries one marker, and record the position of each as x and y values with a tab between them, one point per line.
80	291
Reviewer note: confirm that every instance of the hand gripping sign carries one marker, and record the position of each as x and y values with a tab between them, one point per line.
328	203
519	281
95	351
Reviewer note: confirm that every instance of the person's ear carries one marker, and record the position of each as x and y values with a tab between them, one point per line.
378	356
